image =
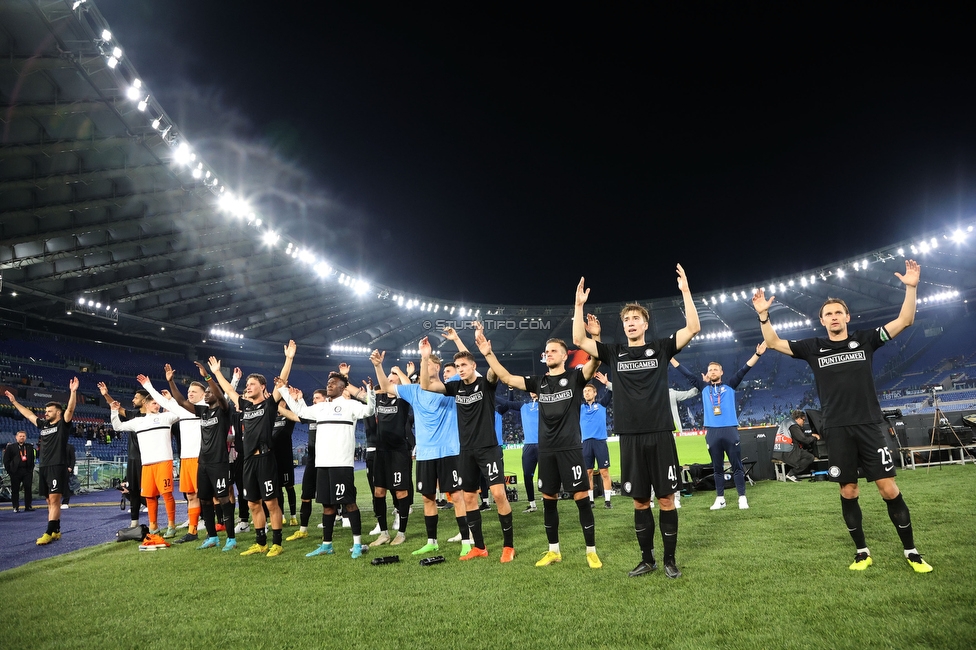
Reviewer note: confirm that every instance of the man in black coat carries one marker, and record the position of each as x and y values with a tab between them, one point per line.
18	461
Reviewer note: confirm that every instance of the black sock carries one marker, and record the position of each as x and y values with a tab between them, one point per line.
462	524
644	527
355	521
403	508
57	525
587	522
507	537
245	512
51	527
262	537
550	516
276	536
228	513
430	522
291	499
669	531
207	512
852	517
305	513
328	526
474	525
379	509
900	517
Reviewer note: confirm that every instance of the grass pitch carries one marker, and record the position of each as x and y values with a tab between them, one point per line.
773	576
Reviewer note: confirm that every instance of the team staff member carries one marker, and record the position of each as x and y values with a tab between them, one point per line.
18	461
258	411
642	418
55	429
787	448
530	448
560	394
593	425
852	420
722	422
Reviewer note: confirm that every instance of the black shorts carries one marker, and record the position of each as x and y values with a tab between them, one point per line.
53	480
439	471
596	451
475	463
649	460
858	445
562	471
309	478
260	478
213	481
392	470
335	485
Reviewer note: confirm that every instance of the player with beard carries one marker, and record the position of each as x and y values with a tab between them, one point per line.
52	455
261	481
335	442
560	394
642	418
481	455
852	419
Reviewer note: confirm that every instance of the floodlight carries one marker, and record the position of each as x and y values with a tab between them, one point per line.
840	273
117	53
182	155
106	35
112	61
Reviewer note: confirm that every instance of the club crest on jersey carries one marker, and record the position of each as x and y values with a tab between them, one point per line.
563	381
834	471
627	487
853	344
540	483
337	409
648	352
420	486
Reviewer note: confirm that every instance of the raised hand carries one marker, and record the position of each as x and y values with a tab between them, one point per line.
165	393
682	280
290	349
376	358
73	384
593	327
581	293
115	406
295	393
602	378
345	369
142	379
761	349
484	345
912	272
168	369
238	373
424	347
759	302
410	368
10	396
449	333
279	383
214	364
102	388
203	371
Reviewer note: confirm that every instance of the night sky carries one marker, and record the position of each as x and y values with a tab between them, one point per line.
498	156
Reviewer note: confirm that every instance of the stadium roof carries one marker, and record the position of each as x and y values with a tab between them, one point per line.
109	220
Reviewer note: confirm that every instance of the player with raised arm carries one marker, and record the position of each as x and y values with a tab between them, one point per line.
261	481
642	418
438	447
52	456
335	442
593	425
481	454
133	466
852	419
560	393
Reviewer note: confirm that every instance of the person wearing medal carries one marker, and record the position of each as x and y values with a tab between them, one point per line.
722	423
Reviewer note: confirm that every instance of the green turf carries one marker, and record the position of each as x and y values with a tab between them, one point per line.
769	577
